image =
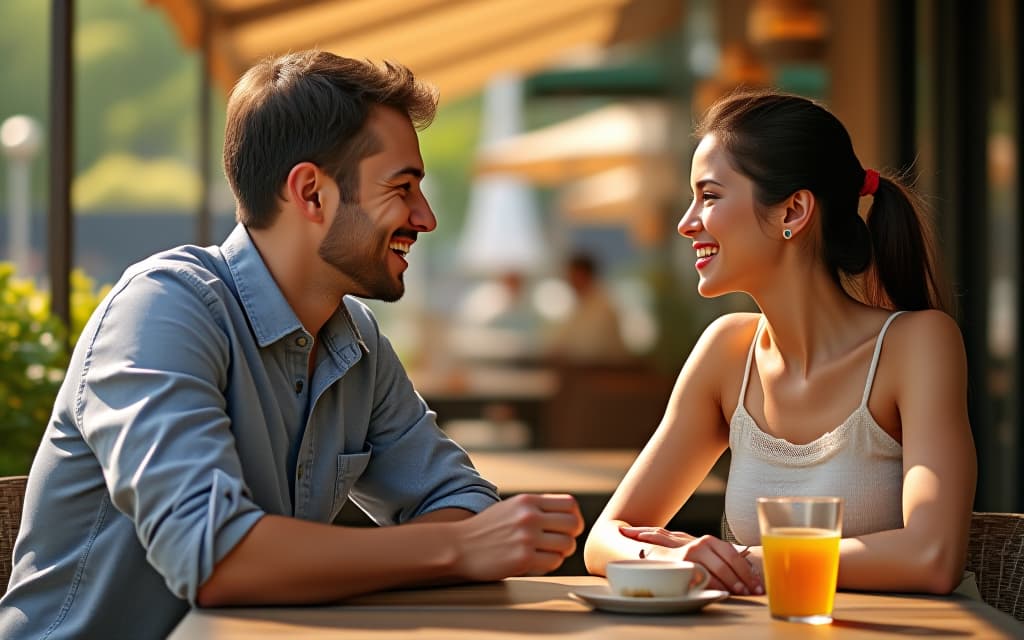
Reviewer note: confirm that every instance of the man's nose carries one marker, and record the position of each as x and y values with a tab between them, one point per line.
423	216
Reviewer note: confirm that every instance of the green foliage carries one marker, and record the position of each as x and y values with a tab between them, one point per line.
33	359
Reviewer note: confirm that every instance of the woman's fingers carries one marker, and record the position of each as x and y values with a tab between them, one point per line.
725	564
729	569
657	535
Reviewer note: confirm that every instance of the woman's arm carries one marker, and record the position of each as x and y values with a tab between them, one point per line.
939	466
690	438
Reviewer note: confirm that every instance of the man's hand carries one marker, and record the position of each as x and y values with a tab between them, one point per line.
525	535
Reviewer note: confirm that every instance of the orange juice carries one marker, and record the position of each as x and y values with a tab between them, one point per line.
800	569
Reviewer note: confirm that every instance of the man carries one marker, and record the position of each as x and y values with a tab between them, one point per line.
223	403
591	332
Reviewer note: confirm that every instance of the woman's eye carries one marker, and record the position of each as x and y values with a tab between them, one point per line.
708	196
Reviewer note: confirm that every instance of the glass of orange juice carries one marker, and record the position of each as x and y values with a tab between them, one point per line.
800	540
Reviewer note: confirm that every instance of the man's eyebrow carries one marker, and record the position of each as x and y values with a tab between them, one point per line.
412	171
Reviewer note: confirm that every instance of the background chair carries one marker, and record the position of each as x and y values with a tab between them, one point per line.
604	406
995	553
12	494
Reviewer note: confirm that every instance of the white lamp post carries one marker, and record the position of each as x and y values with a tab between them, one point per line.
21	137
502	232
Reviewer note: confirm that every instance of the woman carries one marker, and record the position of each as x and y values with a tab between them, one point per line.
850	382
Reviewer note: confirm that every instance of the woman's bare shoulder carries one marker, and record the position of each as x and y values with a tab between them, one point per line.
727	338
731	327
930	327
926	342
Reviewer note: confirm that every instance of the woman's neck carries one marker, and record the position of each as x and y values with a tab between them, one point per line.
811	321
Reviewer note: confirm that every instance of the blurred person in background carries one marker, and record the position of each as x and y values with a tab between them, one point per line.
592	330
497	322
223	403
851	382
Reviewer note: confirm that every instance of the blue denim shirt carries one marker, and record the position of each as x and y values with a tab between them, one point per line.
186	414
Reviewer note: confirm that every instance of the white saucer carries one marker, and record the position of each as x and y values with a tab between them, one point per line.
601	597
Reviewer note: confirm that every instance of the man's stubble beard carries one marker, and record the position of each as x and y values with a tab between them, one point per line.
349	248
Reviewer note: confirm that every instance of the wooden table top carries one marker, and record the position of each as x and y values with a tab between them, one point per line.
486	382
577	471
520	608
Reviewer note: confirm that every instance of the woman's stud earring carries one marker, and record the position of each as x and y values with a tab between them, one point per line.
787	233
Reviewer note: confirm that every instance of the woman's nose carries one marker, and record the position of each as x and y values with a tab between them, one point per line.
690	224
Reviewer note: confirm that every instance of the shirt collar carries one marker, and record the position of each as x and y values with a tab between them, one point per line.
269	314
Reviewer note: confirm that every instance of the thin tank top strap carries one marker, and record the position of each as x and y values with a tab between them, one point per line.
874	358
750	360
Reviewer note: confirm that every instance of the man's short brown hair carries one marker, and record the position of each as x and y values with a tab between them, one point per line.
310	106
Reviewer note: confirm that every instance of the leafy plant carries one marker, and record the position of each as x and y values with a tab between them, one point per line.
33	360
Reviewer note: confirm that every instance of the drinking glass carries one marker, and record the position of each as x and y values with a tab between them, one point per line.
800	538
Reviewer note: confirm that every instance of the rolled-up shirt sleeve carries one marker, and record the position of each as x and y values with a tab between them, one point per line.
415	467
151	406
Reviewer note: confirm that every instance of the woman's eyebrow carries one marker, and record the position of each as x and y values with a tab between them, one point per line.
706	181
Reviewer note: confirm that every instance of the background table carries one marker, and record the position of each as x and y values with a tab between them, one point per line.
591	476
521	608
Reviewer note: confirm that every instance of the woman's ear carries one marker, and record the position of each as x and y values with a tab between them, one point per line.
798	213
303	190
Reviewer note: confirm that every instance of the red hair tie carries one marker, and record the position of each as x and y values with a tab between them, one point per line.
870	185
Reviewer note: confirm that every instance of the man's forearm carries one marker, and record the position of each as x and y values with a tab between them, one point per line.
289	561
450	514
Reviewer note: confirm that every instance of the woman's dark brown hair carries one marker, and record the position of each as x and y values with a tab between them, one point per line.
785	143
309	106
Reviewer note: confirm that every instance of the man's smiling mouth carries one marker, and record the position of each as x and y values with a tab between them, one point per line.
400	246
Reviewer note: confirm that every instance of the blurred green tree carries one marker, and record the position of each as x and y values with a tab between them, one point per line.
33	359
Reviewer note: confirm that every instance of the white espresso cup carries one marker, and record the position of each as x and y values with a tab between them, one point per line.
656	578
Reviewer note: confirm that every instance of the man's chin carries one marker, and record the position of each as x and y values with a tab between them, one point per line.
391	294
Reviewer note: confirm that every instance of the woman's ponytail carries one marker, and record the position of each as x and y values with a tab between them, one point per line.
904	274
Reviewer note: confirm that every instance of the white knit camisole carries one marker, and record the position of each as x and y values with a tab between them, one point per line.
857	460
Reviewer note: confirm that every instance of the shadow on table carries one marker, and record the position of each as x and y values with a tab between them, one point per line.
481	608
897	629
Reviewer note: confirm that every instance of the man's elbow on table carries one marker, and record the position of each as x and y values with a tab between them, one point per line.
236	574
211	594
220	590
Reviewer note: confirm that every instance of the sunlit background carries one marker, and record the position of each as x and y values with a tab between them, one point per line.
564	128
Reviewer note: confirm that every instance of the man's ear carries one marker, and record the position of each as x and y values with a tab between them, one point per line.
303	190
799	211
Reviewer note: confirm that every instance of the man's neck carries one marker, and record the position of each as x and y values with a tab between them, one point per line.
312	295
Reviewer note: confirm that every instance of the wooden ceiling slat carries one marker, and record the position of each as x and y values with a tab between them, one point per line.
304	27
458	78
473	33
457	44
257	7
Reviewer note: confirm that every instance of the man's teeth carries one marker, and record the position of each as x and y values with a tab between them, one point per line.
400	247
704	252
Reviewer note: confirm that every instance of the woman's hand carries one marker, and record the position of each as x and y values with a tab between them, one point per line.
729	570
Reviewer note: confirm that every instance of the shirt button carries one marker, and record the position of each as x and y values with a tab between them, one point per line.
298	386
302	341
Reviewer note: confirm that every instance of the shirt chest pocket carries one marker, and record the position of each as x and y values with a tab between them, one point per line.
350	467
